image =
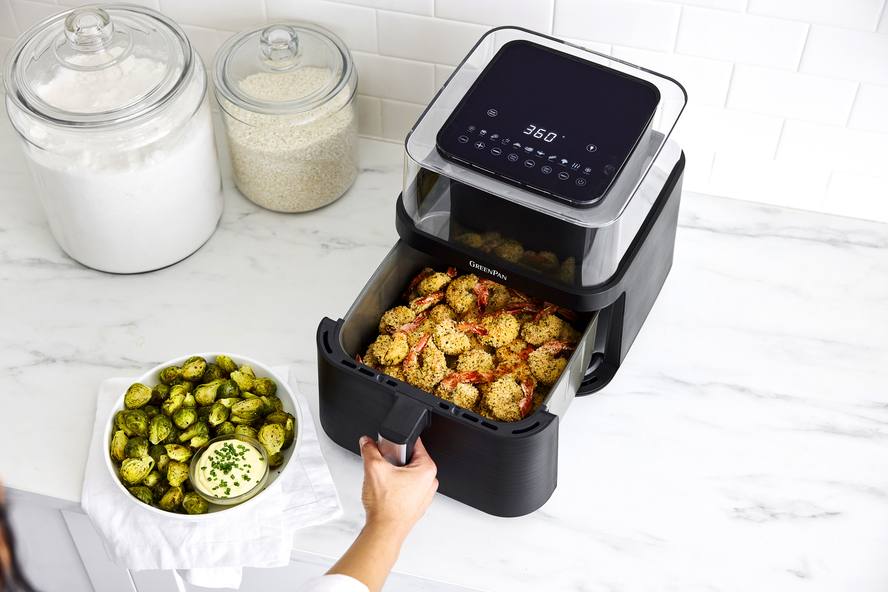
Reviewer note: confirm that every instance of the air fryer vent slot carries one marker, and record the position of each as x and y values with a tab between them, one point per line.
470	417
349	364
527	429
444	406
489	425
365	371
327	347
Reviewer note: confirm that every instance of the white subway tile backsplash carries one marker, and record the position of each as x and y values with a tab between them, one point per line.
765	181
854	14
698	167
8	26
834	148
883	22
398	118
535	15
442	73
230	15
850	55
394	78
369	116
732	5
426	39
635	23
709	129
870	111
706	81
355	25
605	48
421	7
791	95
206	42
742	38
857	196
153	4
28	14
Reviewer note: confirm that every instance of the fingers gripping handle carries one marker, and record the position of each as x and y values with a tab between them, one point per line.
400	429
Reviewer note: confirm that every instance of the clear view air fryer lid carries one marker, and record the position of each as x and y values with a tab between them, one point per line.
98	65
554	127
280	50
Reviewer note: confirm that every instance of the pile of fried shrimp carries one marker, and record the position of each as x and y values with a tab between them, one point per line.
475	343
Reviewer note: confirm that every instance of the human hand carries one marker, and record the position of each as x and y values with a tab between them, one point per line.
395	498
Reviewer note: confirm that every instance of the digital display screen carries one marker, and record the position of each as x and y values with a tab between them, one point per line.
550	122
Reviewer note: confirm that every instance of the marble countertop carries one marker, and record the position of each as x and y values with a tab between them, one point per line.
742	445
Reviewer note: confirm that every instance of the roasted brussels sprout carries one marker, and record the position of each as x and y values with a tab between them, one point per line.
226	364
159	428
120	424
197	429
133	470
185	384
178	452
230	401
163	463
264	387
245	430
275	460
158	491
277	417
193	368
290	430
276	401
152	479
213	372
218	414
189	401
198	441
246	411
155	451
150	410
118	445
159	393
142	493
205	394
267	406
177	473
173	403
184	417
248	370
203	413
136	395
229	388
171	499
137	447
137	421
169	374
272	436
225	428
244	381
194	504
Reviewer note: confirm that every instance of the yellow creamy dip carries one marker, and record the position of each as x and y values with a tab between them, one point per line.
229	468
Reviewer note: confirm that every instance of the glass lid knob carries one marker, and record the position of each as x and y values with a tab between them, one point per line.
279	46
89	29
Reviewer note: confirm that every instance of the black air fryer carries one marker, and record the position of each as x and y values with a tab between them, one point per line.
564	155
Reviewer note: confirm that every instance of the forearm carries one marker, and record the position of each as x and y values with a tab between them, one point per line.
371	557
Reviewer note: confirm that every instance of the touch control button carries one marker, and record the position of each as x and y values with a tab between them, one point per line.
591	147
563	176
512	157
529	163
479	145
496	151
546	169
581	182
463	139
491	113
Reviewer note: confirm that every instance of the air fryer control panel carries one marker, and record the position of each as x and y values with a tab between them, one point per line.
549	122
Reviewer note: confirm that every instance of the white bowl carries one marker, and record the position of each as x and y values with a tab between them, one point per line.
150	378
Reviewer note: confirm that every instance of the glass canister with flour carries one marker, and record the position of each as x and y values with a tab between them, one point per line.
287	93
111	104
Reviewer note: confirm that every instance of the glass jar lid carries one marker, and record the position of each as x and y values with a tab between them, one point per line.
283	68
98	65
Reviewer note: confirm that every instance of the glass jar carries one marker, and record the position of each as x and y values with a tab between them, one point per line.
287	93
111	106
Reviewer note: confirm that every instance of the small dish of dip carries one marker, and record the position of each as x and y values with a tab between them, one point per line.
229	470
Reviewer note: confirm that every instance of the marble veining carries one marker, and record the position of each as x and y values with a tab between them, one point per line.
742	445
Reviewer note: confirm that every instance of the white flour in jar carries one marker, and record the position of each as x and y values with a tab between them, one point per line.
128	200
293	163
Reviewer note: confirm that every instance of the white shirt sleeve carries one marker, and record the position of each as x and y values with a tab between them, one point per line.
333	583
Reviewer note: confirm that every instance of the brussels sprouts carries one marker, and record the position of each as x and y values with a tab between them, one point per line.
230	401
177	472
118	445
198	441
229	388
185	384
277	417
136	395
189	401
248	370
245	430
155	451
137	421
205	394
194	504
169	374
158	491
290	430
276	401
173	403
159	428
246	411
150	410
178	452
244	381
171	499
193	368
225	428
184	417
174	435
203	413
133	470
163	463
276	460
264	387
137	447
267	406
120	424
218	414
226	364
159	393
153	478
142	493
213	372
272	436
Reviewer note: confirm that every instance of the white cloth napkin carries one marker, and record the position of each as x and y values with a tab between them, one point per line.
209	553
